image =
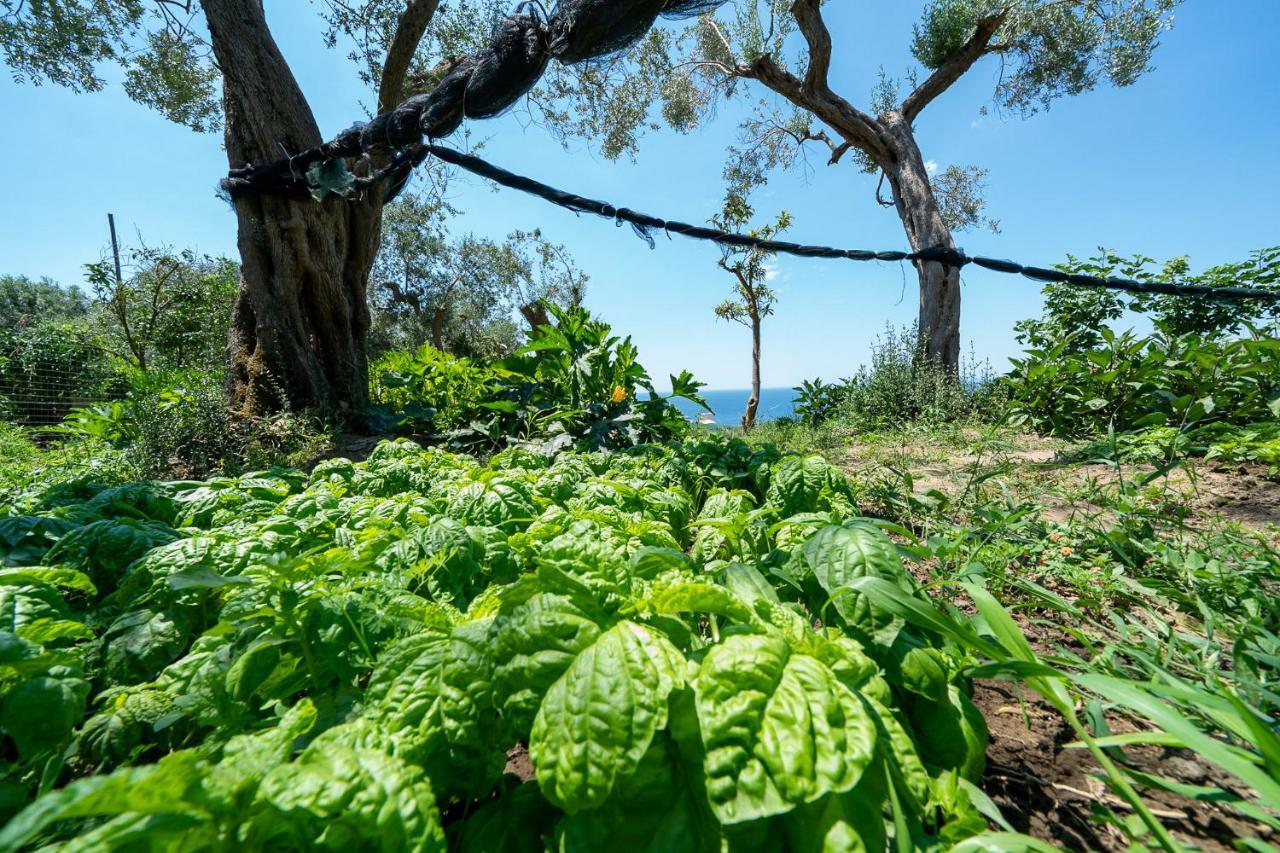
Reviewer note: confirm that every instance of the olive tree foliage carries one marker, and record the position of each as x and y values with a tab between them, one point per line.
753	299
783	49
463	294
167	62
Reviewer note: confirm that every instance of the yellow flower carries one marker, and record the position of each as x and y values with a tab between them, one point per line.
1055	536
619	394
1065	550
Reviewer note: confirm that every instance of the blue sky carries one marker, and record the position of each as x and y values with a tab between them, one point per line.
1183	162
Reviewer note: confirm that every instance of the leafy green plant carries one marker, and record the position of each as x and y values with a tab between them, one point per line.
574	384
347	657
1132	382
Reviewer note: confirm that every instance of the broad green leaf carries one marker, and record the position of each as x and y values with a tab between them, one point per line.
950	734
62	578
23	605
924	671
653	810
779	729
162	788
53	631
804	484
748	585
202	577
340	798
598	720
515	822
439	685
40	714
138	645
700	597
532	647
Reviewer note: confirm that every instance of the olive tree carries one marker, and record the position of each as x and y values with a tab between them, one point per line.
1046	49
298	328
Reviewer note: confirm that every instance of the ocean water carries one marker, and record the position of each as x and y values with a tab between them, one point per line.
728	405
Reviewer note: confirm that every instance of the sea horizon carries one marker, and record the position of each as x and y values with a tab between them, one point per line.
728	404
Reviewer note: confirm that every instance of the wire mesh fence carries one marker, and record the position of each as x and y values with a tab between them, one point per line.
47	372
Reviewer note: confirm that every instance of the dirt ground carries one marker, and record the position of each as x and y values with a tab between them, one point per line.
1058	475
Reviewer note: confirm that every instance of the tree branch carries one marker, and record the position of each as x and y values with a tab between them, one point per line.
854	126
978	46
818	37
413	23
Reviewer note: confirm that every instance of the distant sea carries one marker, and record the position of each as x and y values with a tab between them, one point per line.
728	405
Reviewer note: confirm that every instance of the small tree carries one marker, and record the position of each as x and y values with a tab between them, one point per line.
753	299
171	311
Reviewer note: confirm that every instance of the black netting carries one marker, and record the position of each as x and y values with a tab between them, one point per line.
589	29
688	8
507	69
345	144
443	112
405	127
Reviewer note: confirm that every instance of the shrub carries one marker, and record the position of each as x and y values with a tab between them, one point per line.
901	386
1133	382
176	422
575	384
50	367
430	388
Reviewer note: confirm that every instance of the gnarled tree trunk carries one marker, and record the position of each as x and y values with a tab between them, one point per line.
298	328
917	207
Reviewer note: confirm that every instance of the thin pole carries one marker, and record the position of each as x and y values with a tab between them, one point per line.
115	247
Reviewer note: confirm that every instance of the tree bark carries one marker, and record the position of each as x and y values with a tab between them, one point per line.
917	207
535	314
889	140
297	338
753	403
437	329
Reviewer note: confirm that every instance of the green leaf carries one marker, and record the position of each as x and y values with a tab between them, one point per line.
597	721
163	788
202	578
804	484
656	809
839	555
140	644
40	714
1167	717
342	798
924	671
779	729
62	578
516	822
700	597
533	645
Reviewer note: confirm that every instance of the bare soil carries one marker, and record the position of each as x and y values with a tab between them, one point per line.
1052	471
